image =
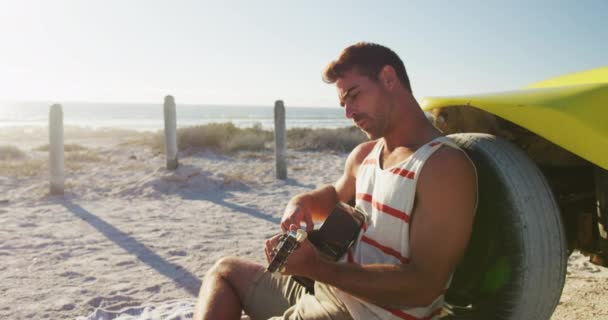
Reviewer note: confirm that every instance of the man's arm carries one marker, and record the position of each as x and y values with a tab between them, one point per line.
318	204
439	232
309	206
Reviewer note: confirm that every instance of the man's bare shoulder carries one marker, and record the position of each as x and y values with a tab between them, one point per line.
448	174
448	159
361	151
356	157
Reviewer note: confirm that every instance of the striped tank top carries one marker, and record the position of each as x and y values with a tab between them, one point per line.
386	196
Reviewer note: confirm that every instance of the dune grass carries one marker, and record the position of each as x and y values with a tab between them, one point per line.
340	139
220	137
70	147
16	163
10	153
82	156
226	137
223	137
23	168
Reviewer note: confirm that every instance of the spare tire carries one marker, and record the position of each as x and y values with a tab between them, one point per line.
515	264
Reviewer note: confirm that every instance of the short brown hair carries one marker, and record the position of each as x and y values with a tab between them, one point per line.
367	59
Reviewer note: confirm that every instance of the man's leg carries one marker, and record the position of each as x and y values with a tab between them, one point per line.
224	288
323	305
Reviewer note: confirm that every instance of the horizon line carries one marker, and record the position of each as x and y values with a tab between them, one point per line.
52	102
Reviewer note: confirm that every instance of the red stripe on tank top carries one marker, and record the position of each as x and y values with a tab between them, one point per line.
364	196
403	315
404	173
385	249
384	208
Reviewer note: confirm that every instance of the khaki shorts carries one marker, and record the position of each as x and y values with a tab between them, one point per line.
275	296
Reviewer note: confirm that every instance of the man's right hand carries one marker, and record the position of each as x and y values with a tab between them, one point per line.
310	206
296	212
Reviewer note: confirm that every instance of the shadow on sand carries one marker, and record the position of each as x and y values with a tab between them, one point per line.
206	187
219	198
173	271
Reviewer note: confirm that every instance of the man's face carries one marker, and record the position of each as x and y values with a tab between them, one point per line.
366	102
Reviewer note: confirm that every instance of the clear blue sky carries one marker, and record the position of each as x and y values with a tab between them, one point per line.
253	52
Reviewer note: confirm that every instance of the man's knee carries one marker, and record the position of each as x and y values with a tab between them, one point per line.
225	267
239	273
235	269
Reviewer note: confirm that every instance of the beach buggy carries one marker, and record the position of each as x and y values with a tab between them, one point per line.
542	157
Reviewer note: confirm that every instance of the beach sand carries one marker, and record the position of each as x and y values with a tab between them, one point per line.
128	232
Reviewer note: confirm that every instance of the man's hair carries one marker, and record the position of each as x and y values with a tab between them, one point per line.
367	59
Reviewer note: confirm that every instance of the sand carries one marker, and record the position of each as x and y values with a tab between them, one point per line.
127	232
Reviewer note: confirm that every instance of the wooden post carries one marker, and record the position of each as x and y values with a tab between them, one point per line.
56	164
170	133
280	139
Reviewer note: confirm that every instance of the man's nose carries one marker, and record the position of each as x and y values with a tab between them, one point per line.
349	109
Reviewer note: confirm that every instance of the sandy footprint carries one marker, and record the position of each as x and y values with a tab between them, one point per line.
125	263
115	302
180	253
27	225
153	289
71	274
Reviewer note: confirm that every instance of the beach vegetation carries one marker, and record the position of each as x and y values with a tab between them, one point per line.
223	137
248	142
338	139
228	138
9	152
82	156
69	147
23	168
15	163
239	179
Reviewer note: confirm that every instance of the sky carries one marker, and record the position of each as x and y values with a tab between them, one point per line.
255	52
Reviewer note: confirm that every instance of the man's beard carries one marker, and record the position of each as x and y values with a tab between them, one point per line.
370	133
373	127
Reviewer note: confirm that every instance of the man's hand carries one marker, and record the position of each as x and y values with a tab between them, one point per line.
271	244
296	212
301	261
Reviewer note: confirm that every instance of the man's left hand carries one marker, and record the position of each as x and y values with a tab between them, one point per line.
302	261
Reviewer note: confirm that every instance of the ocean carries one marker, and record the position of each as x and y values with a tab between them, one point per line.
149	117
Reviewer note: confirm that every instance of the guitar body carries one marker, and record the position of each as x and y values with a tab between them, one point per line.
336	235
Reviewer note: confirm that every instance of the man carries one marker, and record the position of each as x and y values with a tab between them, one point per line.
417	189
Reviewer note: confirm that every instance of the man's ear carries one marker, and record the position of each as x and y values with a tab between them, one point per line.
388	77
